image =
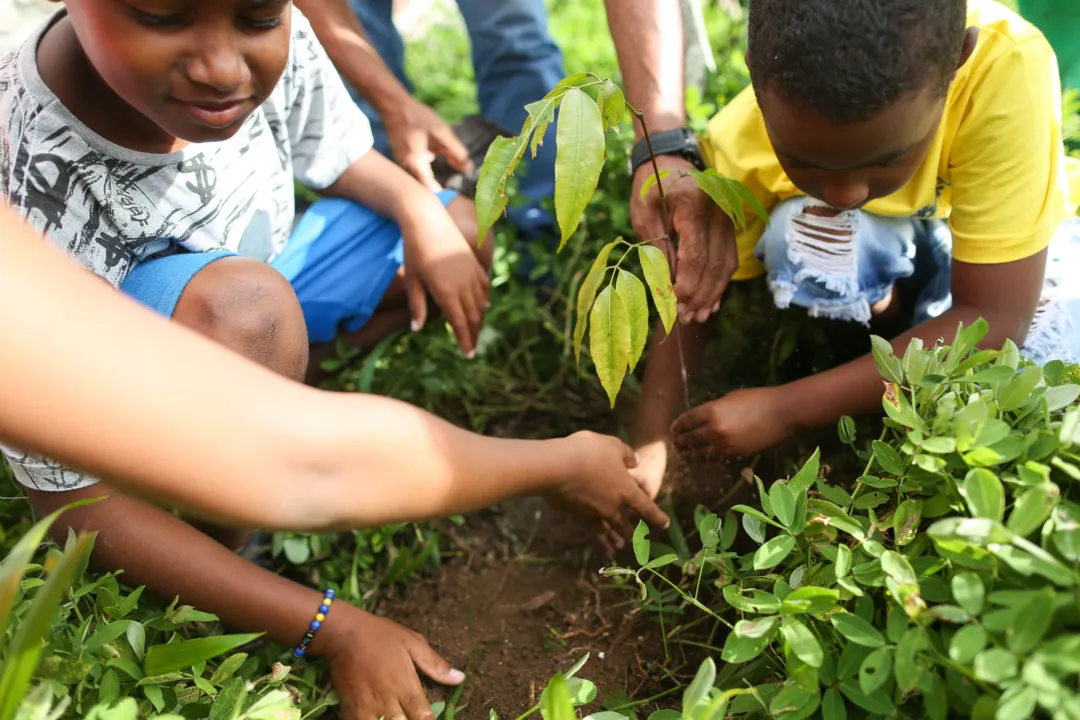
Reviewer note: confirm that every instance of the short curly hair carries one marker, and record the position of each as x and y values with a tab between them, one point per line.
849	59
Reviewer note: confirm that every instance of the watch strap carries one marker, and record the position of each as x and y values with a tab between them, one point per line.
681	142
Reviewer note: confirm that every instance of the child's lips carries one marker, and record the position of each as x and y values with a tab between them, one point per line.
216	115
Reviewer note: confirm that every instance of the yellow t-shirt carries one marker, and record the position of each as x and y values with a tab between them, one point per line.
996	169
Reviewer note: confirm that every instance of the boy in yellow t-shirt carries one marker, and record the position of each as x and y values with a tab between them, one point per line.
891	140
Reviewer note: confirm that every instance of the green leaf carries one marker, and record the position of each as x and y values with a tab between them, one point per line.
297	550
555	702
783	503
888	365
612	104
995	665
888	459
1032	508
832	706
754	527
795	703
984	493
751	600
662	561
1017	703
541	114
810	599
773	552
969	592
807	474
579	159
641	543
587	294
136	635
632	293
909	671
698	690
609	341
939	445
228	668
730	195
906	521
162	659
990	376
502	158
875	670
845	429
749	639
1061	397
582	692
651	182
107	634
1016	392
968	642
1032	622
803	642
843	560
654	265
851	659
878	703
35	624
857	630
229	701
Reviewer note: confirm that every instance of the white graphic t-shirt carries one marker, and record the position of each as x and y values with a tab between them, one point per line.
111	208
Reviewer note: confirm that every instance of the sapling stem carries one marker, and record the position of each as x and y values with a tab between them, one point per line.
669	234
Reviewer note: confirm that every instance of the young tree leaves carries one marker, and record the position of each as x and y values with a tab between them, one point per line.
632	293
658	276
612	104
502	158
587	294
579	159
650	183
609	341
730	195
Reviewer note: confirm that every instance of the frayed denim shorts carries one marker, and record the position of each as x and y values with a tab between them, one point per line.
840	267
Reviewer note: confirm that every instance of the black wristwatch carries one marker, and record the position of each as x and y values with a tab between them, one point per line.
680	142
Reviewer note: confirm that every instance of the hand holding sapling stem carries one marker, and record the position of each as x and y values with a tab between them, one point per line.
740	424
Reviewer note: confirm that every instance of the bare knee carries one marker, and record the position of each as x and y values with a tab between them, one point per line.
463	212
249	307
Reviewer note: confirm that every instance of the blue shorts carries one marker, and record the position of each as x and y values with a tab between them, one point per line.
808	267
340	260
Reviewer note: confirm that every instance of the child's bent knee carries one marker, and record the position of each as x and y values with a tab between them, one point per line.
249	307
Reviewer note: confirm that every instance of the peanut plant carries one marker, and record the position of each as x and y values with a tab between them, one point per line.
612	300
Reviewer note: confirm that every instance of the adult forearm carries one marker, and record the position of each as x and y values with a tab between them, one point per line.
340	32
856	387
648	37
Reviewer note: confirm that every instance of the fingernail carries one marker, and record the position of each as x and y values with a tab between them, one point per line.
637	458
471	354
415	325
456	677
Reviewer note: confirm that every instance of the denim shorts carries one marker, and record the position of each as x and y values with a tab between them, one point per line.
839	267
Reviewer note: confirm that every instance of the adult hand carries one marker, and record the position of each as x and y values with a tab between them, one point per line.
599	485
706	256
417	134
742	423
373	664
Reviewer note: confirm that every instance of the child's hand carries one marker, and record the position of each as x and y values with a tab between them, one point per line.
373	664
601	487
652	464
440	259
742	423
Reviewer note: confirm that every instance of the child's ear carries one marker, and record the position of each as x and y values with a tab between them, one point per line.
971	37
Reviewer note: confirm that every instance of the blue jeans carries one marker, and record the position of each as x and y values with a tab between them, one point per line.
516	63
839	267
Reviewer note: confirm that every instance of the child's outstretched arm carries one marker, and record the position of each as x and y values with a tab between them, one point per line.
745	422
231	441
373	661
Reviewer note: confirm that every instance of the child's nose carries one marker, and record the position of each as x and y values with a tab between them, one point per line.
219	63
847	195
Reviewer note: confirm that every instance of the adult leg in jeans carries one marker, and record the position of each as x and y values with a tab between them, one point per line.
516	63
377	18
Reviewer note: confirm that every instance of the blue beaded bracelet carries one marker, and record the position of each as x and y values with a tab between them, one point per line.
320	617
